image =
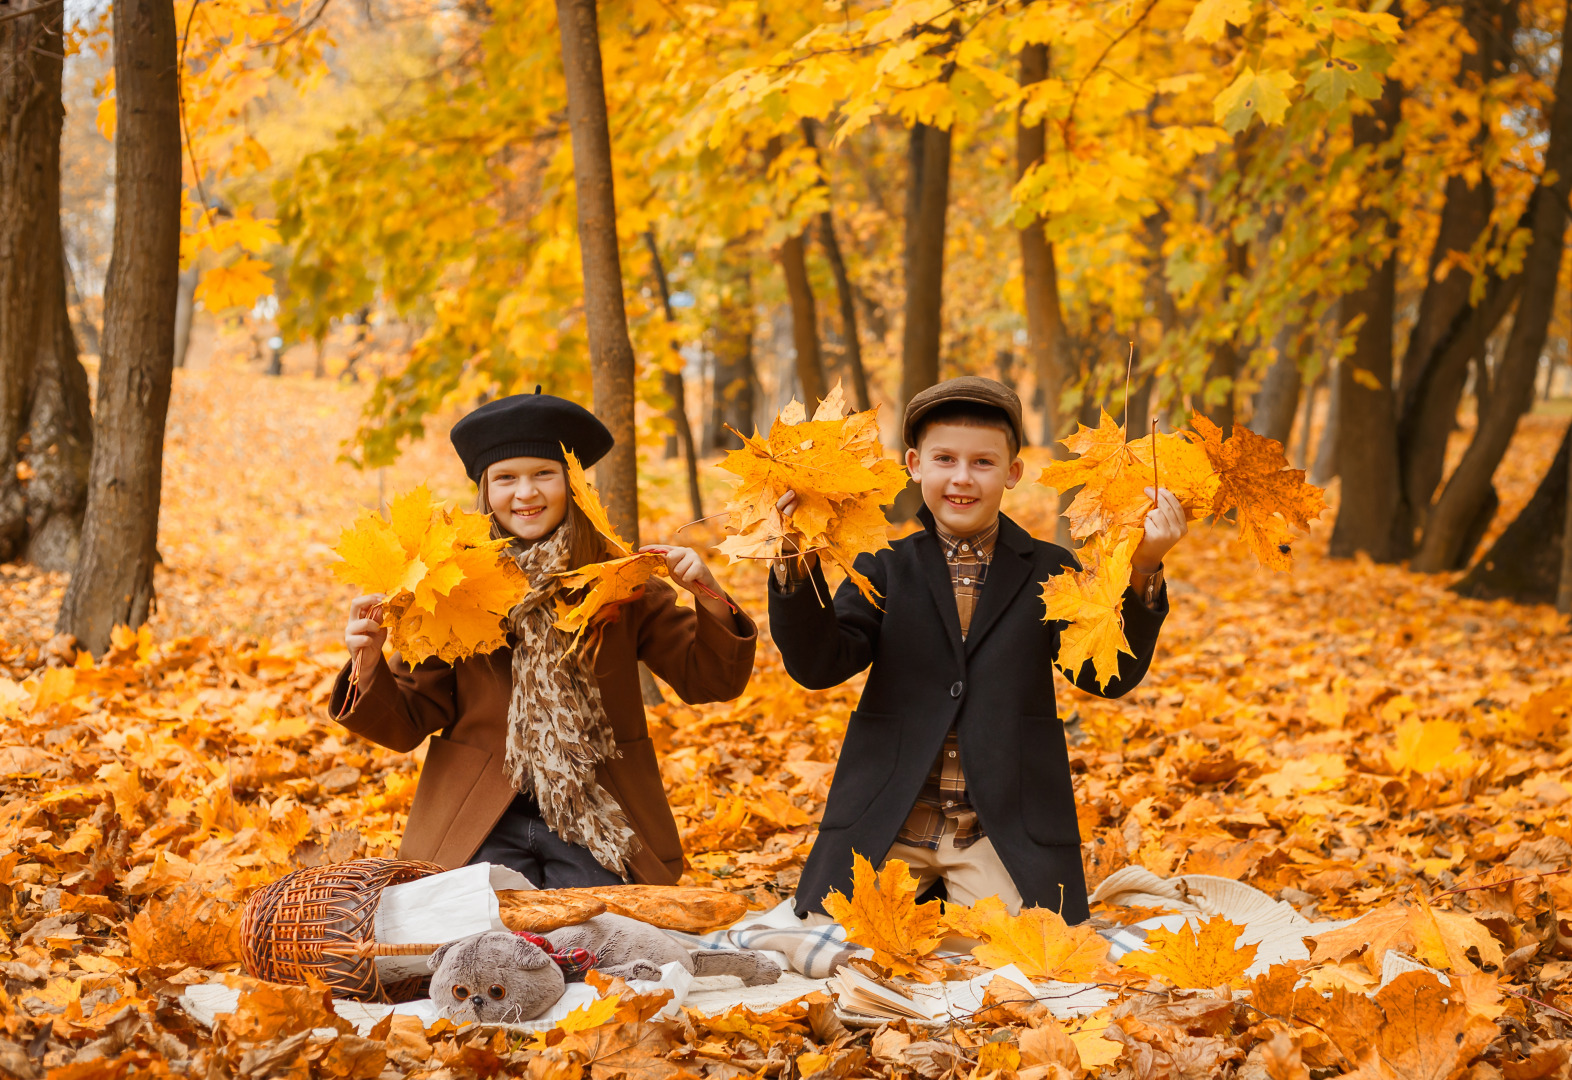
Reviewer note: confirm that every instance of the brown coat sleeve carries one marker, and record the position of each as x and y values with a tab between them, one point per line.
701	657
400	705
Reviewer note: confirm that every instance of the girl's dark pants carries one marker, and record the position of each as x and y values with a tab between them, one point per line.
521	841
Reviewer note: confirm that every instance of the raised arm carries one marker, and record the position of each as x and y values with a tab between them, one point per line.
824	643
701	655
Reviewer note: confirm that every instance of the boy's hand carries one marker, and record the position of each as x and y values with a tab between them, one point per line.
1165	527
689	570
786	504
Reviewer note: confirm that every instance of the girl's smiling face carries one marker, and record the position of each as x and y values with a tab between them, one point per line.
528	495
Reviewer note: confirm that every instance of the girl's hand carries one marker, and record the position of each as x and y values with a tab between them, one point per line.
1165	527
688	570
364	634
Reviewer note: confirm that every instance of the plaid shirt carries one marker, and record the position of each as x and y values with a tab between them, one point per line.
943	795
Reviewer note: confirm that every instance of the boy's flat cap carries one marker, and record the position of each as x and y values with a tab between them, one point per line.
969	388
528	425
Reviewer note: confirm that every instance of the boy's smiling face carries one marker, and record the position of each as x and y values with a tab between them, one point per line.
963	470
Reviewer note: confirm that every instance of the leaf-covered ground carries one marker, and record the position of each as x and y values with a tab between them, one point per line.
1347	737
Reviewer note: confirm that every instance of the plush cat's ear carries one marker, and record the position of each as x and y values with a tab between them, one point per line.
434	961
529	955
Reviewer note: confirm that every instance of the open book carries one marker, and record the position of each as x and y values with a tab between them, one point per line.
860	993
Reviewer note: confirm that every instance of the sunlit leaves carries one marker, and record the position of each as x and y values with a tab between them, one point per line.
236	285
1211	19
1354	67
1200	957
1089	601
882	914
1253	94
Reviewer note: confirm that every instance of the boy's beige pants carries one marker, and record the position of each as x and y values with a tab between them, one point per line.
970	873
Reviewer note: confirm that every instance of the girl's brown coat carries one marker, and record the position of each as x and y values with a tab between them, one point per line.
464	708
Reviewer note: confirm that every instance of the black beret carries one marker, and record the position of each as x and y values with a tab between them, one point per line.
528	425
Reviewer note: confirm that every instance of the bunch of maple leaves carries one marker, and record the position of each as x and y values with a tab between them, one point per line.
1348	738
836	466
1246	474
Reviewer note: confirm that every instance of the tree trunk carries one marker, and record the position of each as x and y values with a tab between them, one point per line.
843	288
1512	388
185	308
1226	362
59	435
1564	579
1525	562
1278	399
1325	467
804	322
675	387
113	580
612	370
1045	332
733	388
1367	422
31	114
928	196
1448	332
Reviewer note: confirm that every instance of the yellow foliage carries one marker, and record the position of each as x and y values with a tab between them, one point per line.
883	914
1194	958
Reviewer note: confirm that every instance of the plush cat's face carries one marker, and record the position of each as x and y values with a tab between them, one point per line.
494	978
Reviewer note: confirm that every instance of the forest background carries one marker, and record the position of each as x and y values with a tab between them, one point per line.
335	227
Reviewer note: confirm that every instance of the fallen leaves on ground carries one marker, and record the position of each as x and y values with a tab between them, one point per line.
882	914
1037	941
1194	957
1287	738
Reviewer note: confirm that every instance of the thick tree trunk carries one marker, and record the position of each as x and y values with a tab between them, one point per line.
735	382
1367	420
59	435
1448	332
843	288
927	200
31	114
1277	401
1564	586
1525	563
612	369
1446	531
804	321
1324	468
113	579
676	389
1045	331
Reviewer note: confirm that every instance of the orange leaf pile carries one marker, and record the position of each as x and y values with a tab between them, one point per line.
447	585
609	584
882	914
837	467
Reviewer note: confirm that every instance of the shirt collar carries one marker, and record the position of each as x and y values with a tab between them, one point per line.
981	544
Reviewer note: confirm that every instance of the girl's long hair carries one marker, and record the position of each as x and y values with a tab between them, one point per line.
585	543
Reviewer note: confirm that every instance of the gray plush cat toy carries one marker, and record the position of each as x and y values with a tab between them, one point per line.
499	977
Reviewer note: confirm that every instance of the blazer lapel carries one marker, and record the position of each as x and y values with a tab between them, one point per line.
936	573
1007	572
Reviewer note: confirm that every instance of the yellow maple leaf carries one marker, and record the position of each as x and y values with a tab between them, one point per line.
1038	940
1089	602
1254	479
237	285
836	465
610	583
597	1013
883	915
1425	746
447	586
1113	476
1194	958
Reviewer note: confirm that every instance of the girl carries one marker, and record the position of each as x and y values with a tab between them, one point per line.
540	758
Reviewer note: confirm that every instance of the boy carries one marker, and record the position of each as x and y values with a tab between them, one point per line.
955	760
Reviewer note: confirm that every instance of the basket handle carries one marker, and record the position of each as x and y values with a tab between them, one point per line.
376	948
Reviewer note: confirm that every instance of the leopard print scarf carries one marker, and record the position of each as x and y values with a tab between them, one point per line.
557	727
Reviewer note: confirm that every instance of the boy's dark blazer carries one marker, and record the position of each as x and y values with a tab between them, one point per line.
996	687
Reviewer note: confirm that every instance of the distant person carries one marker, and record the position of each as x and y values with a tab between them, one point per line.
540	758
955	760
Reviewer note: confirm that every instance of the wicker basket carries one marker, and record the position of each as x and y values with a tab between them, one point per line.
319	922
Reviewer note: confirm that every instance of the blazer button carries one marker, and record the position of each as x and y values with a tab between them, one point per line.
955	691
